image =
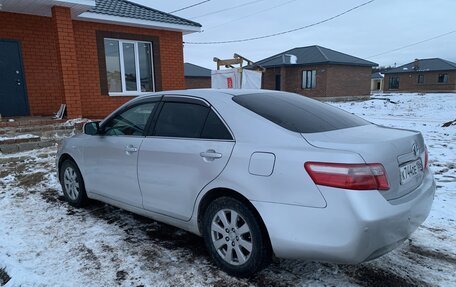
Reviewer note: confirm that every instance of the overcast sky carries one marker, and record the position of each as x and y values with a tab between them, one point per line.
370	30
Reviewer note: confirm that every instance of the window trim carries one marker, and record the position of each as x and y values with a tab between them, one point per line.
137	68
156	64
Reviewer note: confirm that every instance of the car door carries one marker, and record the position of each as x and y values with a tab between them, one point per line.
111	157
188	147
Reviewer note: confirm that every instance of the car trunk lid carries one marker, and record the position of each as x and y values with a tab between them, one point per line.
398	150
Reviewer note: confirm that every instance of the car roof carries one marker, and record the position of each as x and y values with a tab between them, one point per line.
210	93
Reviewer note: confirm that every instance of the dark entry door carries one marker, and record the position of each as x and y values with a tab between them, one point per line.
13	97
277	82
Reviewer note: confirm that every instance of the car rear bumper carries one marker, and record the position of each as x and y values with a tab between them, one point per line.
356	226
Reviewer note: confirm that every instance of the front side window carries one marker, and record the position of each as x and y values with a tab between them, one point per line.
443	78
131	122
394	82
129	67
309	79
421	79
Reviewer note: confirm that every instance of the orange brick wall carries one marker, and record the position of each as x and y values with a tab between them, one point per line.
43	74
39	58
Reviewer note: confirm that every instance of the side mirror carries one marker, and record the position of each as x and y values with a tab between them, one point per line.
92	128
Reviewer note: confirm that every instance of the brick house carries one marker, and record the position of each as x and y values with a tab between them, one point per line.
422	75
196	76
377	82
92	55
315	71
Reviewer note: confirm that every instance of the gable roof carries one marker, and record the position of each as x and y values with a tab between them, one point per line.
312	55
424	65
192	70
129	13
377	76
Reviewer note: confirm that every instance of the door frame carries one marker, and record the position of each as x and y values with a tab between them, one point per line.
24	81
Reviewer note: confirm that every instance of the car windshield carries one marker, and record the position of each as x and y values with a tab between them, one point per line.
298	113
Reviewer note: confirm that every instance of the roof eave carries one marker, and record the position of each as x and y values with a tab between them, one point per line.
322	63
422	71
127	21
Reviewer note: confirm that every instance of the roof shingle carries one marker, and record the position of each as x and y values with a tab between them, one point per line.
424	65
123	8
192	70
313	55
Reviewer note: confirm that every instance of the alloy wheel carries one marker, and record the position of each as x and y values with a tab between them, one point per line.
231	237
71	182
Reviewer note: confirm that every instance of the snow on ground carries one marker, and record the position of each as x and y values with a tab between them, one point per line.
72	122
45	242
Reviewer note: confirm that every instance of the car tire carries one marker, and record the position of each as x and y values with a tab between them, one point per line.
240	248
72	184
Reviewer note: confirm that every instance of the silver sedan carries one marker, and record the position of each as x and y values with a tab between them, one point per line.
256	173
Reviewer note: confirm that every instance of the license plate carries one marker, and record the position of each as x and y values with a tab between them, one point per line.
410	170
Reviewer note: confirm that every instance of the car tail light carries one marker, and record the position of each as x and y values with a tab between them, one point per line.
348	176
426	157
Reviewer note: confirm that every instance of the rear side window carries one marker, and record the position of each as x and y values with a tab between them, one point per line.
215	128
183	120
298	113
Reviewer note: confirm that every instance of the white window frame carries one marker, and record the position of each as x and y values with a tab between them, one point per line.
138	75
313	79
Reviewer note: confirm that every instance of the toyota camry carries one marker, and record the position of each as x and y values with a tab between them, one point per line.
256	173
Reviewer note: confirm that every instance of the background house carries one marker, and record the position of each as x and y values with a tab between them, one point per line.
377	82
92	55
196	76
422	75
316	71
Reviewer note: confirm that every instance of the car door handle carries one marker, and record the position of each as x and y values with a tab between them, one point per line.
211	154
129	149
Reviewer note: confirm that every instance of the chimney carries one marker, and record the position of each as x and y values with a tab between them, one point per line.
416	64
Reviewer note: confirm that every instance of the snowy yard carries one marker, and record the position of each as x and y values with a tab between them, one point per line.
45	242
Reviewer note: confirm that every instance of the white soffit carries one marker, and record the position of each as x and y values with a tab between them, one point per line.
103	18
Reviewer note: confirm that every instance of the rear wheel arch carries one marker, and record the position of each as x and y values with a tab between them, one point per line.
215	193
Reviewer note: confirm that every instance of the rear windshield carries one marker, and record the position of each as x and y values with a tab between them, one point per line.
298	113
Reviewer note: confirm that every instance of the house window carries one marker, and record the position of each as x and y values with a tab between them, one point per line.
443	78
309	79
129	67
394	82
421	79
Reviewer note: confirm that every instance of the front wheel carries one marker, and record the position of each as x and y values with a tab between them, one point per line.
234	237
72	184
